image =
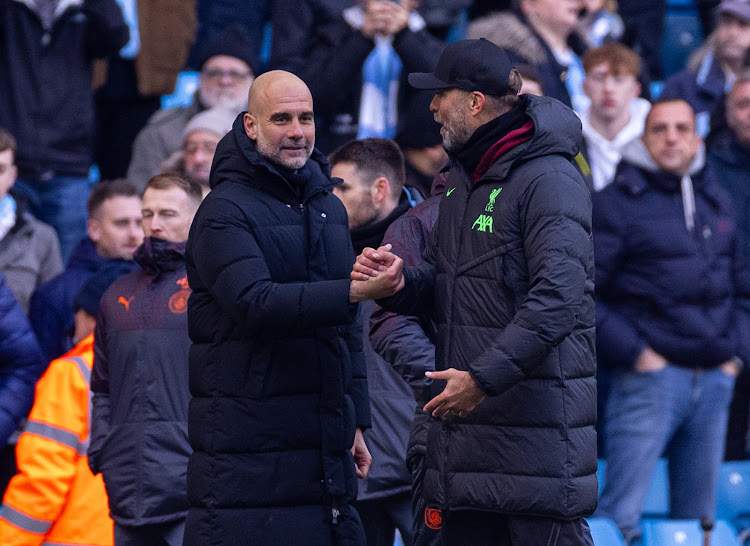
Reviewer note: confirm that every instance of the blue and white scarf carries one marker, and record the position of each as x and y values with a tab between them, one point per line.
381	72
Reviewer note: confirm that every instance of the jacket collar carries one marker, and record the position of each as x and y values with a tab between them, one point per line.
710	78
62	5
157	256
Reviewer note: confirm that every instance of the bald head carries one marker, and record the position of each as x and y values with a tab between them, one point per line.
280	119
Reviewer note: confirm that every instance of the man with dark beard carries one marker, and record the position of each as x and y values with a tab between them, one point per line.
508	277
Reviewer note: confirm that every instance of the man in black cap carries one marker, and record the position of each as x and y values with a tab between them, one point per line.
226	73
509	279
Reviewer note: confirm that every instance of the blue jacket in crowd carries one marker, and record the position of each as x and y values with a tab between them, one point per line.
691	303
21	364
51	309
276	369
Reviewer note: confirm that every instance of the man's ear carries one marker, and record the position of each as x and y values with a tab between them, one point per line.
476	103
93	229
637	89
380	190
251	126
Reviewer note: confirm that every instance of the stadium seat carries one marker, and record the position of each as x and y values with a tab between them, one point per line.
605	532
733	495
686	533
682	35
187	83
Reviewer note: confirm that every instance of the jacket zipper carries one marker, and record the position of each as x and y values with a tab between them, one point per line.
335	513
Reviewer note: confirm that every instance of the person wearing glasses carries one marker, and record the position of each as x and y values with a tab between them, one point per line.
225	73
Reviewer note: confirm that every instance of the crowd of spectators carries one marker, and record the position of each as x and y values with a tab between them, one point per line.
81	85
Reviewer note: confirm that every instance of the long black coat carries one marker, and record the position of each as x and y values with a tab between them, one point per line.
512	273
276	369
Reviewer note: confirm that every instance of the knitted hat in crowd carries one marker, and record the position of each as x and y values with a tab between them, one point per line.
738	8
93	289
218	120
233	41
417	128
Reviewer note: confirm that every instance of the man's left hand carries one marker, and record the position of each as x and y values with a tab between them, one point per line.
460	396
362	457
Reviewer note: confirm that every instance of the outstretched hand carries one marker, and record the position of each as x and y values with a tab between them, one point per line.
376	274
459	397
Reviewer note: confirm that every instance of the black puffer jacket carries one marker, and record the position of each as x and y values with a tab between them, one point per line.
139	421
512	273
276	369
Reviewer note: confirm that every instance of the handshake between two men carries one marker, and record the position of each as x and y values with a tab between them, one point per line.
379	273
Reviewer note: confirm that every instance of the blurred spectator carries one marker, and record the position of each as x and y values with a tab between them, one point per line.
532	82
673	302
29	250
541	33
419	138
130	83
729	155
21	365
355	59
407	343
226	72
46	54
202	133
114	233
714	67
600	22
644	29
214	16
616	114
54	498
372	192
141	353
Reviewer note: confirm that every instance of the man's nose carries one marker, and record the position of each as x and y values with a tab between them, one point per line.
434	104
295	130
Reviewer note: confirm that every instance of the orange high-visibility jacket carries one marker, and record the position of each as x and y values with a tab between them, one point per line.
54	498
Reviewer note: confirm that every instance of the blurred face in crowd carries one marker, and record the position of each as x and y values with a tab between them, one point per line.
198	151
224	81
670	137
167	214
610	92
427	160
560	15
8	172
451	110
732	38
115	228
280	119
738	112
357	194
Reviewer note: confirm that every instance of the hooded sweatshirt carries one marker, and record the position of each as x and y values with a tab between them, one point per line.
604	154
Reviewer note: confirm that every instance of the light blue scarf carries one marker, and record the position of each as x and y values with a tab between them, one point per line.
381	72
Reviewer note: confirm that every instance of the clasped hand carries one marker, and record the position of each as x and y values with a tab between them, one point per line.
376	274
